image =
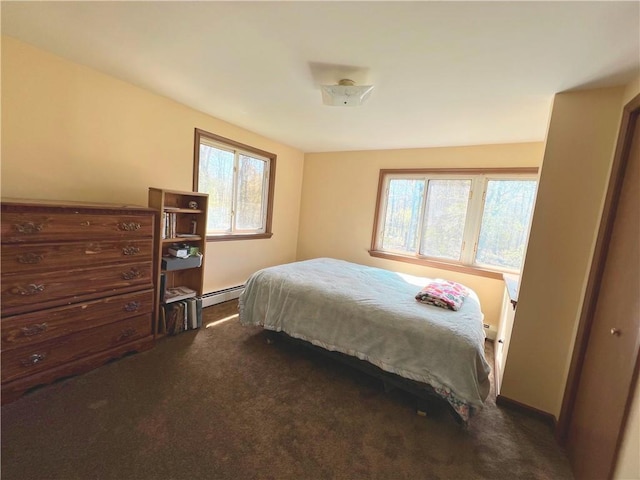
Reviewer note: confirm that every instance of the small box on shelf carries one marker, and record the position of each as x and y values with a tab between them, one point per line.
180	251
174	263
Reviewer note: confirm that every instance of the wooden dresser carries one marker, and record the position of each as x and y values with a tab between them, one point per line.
77	288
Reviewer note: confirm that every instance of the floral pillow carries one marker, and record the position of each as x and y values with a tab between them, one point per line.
443	293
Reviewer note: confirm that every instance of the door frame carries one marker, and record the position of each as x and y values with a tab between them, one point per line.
630	116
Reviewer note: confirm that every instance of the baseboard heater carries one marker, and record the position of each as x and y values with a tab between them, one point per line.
219	296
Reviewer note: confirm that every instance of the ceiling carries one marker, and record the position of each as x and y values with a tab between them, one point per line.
445	73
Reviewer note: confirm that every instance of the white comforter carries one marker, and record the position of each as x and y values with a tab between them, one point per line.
372	314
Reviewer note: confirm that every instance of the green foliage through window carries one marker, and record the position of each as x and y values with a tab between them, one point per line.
479	219
239	181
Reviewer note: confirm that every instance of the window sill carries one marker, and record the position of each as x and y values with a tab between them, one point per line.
240	236
513	285
482	272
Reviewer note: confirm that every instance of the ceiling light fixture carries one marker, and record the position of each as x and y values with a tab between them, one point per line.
345	94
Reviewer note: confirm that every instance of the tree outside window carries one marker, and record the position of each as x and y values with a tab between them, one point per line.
239	180
473	218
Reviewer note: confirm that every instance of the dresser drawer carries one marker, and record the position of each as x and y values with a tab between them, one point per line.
29	291
48	256
36	327
20	227
31	359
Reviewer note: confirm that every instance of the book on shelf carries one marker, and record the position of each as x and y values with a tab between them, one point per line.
174	294
174	314
199	311
163	284
170	226
192	315
170	221
184	311
180	316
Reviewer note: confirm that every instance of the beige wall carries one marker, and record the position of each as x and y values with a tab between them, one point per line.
72	133
339	196
578	155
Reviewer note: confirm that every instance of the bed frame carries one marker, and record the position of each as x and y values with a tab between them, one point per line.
371	316
426	399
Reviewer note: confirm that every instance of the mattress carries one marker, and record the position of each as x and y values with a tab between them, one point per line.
372	314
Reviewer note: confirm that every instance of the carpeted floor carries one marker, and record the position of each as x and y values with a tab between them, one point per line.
223	403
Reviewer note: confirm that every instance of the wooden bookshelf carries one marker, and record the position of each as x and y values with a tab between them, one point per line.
178	213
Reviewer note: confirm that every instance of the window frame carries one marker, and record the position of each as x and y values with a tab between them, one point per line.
473	217
238	148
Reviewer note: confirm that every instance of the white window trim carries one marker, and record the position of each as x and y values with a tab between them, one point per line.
473	220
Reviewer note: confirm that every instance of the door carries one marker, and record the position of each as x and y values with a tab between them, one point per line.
609	368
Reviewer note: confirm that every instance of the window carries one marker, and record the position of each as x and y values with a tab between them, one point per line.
239	180
464	218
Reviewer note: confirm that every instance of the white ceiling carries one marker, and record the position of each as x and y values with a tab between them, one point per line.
445	73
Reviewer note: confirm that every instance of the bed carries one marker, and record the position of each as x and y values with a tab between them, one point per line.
372	314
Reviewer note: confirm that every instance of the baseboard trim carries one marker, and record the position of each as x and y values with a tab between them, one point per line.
220	296
545	417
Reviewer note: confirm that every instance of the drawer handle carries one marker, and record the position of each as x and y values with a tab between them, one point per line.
86	223
28	228
129	332
33	359
130	250
131	274
129	227
31	289
30	258
36	329
132	306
